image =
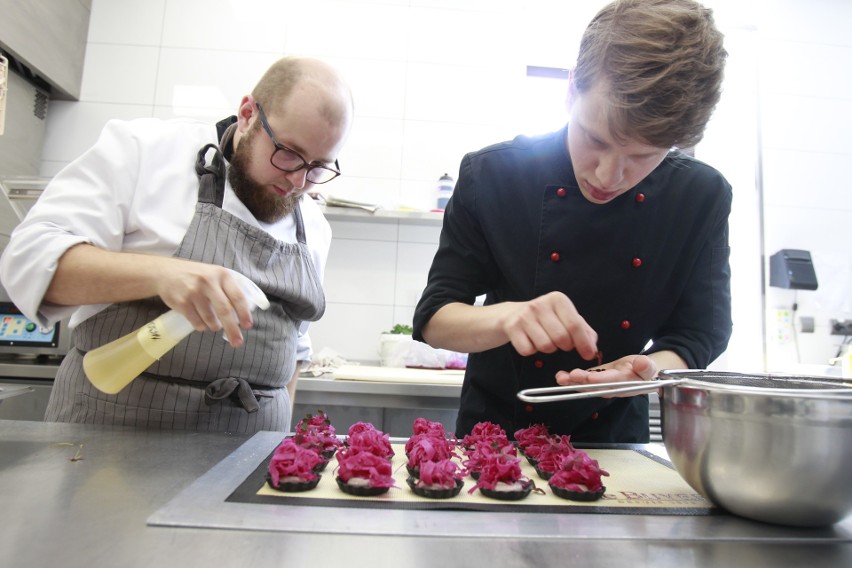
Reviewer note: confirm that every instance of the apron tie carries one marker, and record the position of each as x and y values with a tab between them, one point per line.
237	390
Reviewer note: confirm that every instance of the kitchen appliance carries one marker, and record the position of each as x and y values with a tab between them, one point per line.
767	447
20	335
792	269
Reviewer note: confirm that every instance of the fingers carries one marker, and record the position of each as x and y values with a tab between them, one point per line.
210	298
629	368
550	323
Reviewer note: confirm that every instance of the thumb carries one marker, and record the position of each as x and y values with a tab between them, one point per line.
645	367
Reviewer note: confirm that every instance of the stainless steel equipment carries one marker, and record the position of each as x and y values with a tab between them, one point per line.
25	124
767	447
8	391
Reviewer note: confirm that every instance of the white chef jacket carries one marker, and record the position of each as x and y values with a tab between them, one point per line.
135	190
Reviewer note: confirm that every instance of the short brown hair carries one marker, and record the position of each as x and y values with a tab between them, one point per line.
662	61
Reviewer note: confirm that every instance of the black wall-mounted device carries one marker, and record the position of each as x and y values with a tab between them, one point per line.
794	269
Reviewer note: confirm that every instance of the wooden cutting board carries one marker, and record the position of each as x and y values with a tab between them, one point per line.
399	375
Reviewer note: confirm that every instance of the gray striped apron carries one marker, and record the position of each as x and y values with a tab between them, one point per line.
204	384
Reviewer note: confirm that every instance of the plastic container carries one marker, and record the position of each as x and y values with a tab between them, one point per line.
113	366
445	190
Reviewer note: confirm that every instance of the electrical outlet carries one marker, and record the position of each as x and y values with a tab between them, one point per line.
841	327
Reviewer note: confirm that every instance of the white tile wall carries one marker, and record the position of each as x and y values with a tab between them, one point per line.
806	113
434	79
226	25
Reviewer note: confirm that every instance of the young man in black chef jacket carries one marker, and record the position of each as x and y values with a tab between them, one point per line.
599	241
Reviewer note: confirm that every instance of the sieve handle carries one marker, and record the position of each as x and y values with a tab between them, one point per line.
576	392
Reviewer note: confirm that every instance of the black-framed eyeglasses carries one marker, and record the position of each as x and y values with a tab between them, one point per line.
289	160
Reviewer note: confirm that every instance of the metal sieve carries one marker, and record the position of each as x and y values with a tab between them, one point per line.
769	384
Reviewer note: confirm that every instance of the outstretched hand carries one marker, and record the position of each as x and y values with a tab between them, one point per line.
629	368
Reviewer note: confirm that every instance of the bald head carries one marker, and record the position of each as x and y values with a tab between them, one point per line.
307	77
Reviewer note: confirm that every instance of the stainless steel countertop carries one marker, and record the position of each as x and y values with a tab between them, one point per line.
323	390
25	367
93	512
28	367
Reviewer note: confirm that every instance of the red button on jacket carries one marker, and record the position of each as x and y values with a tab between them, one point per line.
561	192
625	324
636	262
554	256
640	197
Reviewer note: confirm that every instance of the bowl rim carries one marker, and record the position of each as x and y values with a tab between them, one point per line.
836	389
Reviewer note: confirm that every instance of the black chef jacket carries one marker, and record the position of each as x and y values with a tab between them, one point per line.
648	271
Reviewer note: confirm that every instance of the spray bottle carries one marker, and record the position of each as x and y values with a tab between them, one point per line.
113	366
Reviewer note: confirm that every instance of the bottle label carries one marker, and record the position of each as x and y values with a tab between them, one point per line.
160	335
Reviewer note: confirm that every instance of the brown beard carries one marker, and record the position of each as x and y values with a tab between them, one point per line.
263	204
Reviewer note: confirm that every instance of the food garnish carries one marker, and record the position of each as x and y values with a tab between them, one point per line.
365	469
578	473
483	431
291	463
369	439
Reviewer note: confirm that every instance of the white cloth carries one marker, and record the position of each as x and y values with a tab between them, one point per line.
135	190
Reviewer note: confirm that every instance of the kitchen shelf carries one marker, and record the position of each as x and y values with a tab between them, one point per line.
382	215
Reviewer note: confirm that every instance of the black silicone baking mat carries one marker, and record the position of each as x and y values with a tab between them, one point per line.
639	483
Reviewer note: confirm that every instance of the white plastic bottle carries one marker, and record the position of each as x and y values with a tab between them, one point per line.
445	190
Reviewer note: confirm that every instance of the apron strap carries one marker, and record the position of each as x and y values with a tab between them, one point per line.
300	224
221	128
211	178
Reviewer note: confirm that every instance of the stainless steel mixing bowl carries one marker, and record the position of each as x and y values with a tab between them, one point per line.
767	447
780	453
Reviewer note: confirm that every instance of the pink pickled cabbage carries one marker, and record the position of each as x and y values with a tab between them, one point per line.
425	448
442	473
292	460
371	440
532	435
549	452
424	426
483	431
319	421
361	464
499	468
578	472
483	449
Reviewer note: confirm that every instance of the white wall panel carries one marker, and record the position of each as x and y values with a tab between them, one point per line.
361	30
125	74
227	25
361	272
127	22
193	80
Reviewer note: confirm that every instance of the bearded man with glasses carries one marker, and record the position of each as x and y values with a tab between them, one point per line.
152	218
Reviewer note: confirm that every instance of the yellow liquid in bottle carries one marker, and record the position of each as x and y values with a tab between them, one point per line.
113	366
